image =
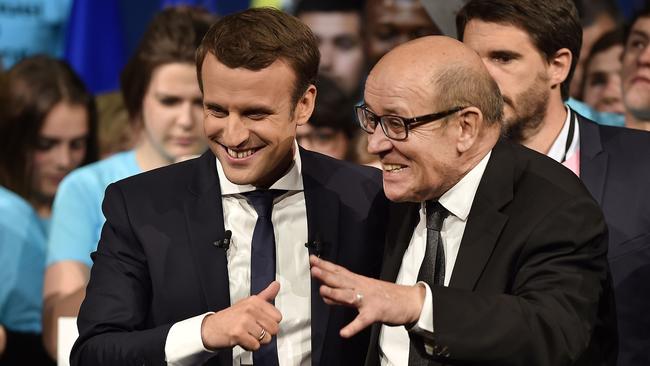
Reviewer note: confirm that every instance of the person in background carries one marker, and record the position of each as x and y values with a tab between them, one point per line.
163	99
389	23
602	88
597	17
636	72
47	128
529	48
337	27
330	128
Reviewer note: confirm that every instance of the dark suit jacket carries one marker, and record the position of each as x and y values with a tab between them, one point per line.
156	263
530	274
615	167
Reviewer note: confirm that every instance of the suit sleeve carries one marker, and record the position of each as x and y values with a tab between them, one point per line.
549	314
112	322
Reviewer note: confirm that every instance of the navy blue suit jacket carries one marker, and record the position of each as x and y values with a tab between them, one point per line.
615	167
156	263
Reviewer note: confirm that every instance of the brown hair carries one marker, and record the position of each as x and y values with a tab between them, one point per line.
459	86
172	36
551	25
28	92
255	38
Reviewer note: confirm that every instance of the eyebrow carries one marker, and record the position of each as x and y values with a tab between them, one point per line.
504	53
636	32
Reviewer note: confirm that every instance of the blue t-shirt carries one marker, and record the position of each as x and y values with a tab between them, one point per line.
602	118
22	263
29	27
77	217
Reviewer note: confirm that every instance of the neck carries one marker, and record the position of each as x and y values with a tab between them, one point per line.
42	206
632	122
148	157
542	140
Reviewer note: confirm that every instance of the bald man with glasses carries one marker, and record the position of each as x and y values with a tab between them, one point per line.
495	254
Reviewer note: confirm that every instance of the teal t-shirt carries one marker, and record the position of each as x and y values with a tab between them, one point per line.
77	217
602	118
22	264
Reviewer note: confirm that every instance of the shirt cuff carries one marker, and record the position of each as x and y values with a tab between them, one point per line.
424	325
184	345
425	322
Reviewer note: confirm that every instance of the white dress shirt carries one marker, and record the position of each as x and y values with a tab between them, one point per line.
556	152
394	340
289	216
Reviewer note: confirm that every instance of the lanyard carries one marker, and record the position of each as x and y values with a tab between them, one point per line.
569	138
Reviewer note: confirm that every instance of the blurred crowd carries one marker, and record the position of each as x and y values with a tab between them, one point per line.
61	146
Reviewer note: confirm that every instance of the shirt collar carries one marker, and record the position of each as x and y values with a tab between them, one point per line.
291	181
458	199
556	152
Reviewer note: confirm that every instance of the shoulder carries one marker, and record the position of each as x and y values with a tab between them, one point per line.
96	176
333	170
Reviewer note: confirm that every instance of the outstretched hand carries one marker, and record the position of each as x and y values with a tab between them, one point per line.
376	301
250	323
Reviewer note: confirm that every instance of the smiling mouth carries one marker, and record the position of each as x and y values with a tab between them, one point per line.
242	154
392	168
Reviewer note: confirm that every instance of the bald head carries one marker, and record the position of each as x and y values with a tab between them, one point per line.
432	64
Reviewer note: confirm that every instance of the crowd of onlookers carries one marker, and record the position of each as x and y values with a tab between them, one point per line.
53	133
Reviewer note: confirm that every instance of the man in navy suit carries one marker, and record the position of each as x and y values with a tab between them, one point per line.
206	261
531	49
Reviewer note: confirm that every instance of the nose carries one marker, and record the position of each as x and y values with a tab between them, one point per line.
644	56
326	57
378	143
63	157
236	132
186	115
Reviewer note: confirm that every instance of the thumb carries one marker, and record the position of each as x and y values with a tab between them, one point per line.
271	291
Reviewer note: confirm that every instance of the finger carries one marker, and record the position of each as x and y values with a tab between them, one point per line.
345	297
329	278
248	342
270	292
327	265
269	311
271	327
358	324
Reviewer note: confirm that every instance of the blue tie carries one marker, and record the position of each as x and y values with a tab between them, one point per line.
263	262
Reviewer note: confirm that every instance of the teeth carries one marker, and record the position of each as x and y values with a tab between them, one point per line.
240	154
393	167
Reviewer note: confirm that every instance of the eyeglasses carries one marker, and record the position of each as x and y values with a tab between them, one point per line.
396	127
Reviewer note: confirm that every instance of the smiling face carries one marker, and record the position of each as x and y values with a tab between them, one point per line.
636	70
519	69
172	113
61	147
250	119
340	46
423	166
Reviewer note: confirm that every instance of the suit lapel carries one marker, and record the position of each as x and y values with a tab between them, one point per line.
404	218
593	159
204	215
485	221
322	207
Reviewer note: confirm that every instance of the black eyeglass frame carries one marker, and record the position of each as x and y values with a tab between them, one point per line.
407	122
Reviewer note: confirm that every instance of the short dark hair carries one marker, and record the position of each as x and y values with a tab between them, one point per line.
333	108
644	12
590	10
330	6
172	36
551	25
467	86
257	37
28	92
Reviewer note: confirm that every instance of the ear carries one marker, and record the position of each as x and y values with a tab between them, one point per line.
469	124
559	66
305	106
